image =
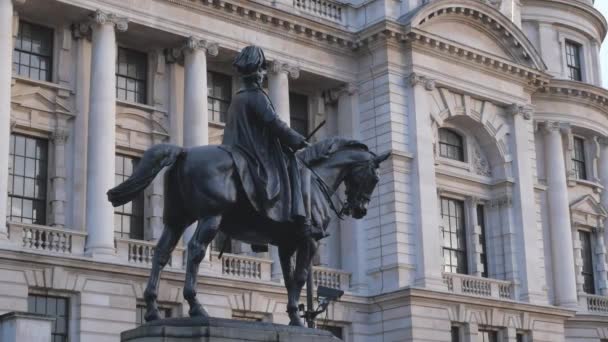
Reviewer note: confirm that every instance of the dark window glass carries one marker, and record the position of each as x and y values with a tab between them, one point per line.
27	179
586	253
56	307
482	239
488	335
141	312
573	60
128	218
455	332
520	337
245	316
219	241
219	94
131	75
450	145
578	159
33	53
298	109
454	245
336	331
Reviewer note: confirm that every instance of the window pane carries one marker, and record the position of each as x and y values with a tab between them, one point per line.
33	51
587	256
55	307
578	159
128	219
131	78
298	108
454	249
450	145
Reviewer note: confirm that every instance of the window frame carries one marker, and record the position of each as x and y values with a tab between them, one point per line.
579	166
51	56
584	271
211	96
69	302
143	82
462	150
293	119
480	211
578	57
11	177
141	199
486	329
462	267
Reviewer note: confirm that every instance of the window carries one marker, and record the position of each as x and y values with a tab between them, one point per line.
586	253
27	179
32	56
298	109
128	218
141	312
219	94
247	316
455	332
55	307
573	60
578	159
131	75
487	335
336	331
454	245
450	145
482	238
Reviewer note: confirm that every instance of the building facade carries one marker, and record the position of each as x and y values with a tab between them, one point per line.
489	222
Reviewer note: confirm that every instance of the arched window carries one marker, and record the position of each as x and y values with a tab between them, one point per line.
450	145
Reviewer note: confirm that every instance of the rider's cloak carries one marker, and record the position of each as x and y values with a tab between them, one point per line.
260	144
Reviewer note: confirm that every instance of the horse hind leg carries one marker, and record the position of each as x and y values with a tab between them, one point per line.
206	230
165	246
306	252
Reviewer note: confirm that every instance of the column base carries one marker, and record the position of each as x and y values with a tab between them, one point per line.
101	253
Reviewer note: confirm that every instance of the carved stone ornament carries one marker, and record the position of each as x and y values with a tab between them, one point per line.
209	47
525	111
349	89
480	163
60	136
416	79
282	67
494	3
101	18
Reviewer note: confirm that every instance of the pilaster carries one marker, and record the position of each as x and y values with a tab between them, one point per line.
58	179
476	268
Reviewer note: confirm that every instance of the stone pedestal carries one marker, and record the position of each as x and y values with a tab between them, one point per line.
21	327
224	330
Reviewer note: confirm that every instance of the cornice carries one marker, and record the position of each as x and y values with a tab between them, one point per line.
579	91
570	5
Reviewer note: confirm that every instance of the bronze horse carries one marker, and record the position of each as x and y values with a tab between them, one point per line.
201	185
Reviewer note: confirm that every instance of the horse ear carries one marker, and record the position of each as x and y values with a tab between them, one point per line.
381	158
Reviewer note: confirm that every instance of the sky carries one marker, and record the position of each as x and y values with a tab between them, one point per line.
602	6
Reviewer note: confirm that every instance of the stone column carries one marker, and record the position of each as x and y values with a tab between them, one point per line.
278	91
196	117
58	179
424	186
278	87
559	218
176	96
524	229
474	257
6	74
102	133
603	176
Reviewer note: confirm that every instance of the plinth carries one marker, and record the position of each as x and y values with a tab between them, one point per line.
201	329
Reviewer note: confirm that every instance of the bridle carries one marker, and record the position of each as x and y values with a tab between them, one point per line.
365	185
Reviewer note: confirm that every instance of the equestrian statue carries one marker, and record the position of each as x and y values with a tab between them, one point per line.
264	185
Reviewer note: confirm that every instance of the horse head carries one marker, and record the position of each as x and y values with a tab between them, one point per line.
360	182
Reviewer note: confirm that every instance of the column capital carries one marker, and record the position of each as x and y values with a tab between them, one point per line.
556	126
277	67
348	89
194	43
81	30
100	17
602	141
415	79
60	136
526	111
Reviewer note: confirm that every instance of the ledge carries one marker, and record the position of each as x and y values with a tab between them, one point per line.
63	91
567	89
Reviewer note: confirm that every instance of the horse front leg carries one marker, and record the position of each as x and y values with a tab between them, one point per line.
205	232
306	252
285	256
166	244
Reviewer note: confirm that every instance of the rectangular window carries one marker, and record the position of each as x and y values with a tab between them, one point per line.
487	335
141	312
578	159
27	179
33	53
455	332
131	75
573	60
586	253
451	145
336	331
454	239
298	109
219	94
55	307
128	218
482	238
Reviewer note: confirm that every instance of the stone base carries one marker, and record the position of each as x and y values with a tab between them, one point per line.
222	330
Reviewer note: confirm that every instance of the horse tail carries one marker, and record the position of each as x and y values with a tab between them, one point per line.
154	160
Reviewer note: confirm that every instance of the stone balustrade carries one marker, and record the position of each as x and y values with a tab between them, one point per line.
140	253
476	286
244	267
593	304
47	239
322	9
337	279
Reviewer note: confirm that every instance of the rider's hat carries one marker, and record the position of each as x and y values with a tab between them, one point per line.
249	60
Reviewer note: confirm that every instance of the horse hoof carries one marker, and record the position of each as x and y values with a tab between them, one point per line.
152	315
198	311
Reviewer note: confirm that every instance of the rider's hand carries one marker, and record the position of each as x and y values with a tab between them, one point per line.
303	144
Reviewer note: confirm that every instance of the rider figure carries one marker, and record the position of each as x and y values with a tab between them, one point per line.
263	147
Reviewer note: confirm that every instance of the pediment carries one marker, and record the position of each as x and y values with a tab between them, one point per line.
471	23
587	211
38	99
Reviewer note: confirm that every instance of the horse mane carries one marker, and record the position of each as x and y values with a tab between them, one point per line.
325	148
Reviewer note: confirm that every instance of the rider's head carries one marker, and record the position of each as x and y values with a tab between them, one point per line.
251	63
